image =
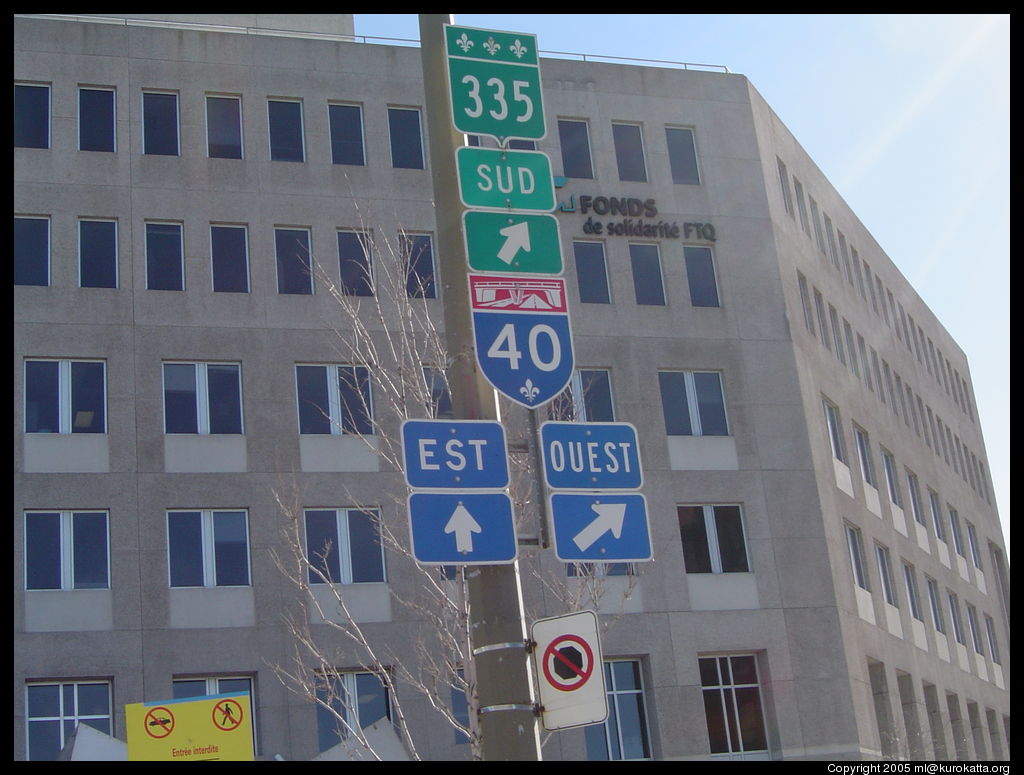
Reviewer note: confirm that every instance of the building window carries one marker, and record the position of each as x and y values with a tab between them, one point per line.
647	283
954	528
439	395
334	399
53	710
224	127
588	398
867	464
837	338
346	125
97	254
682	155
732	705
66	550
354	260
208	548
346	702
417	251
819	238
835	431
406	138
286	135
229	258
885	574
294	264
592	570
629	152
937	520
972	541
891	481
972	624
993	644
31	251
203	398
165	265
855	545
96	120
787	199
591	272
624	735
933	602
915	498
700	274
805	302
343	546
31	116
574	138
801	206
160	124
713	539
693	403
910	582
954	617
65	396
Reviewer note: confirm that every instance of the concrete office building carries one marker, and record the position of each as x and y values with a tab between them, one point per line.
829	576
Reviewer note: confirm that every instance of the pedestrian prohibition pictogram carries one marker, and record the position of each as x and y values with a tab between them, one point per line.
568	662
227	715
159	722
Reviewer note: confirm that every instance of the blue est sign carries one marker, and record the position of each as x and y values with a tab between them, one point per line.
522	337
591	456
455	454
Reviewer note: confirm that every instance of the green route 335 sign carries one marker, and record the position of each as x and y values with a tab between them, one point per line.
494	79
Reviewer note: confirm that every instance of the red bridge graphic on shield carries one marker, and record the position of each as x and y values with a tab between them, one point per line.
517	294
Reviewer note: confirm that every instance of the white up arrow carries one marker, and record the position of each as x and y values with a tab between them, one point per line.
610	516
463	525
517	237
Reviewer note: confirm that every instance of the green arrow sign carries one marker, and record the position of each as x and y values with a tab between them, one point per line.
494	80
512	242
498	179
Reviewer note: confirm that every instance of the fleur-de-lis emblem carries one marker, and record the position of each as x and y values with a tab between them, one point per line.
464	43
518	49
529	390
492	47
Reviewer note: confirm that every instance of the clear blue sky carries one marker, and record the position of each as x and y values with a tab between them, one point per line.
907	115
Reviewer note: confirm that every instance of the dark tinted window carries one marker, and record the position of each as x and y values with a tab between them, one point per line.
160	124
629	152
346	134
31	116
406	140
224	127
164	269
97	254
647	281
700	274
31	251
229	256
285	131
682	155
354	260
591	272
95	120
575	142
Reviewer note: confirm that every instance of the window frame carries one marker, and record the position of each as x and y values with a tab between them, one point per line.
27	270
892	478
624	148
726	691
113	118
149	130
419	285
701	276
713	539
587	264
214	262
64	719
834	429
684	168
855	551
339	414
642	262
277	123
176	275
202	394
341	548
327	693
343	146
935	605
35	119
355	271
913	594
65	394
692	402
395	128
864	456
208	548
571	405
575	147
884	561
94	258
236	129
615	696
66	566
289	281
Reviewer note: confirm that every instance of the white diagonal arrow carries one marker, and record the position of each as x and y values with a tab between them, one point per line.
610	516
463	525
517	237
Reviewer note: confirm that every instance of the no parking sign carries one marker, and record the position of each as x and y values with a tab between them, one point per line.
570	673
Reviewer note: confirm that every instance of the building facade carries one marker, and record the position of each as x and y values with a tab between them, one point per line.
829	578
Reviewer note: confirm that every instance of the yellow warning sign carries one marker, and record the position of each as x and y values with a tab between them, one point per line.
214	728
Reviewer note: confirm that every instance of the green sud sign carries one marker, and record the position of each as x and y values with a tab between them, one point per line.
494	78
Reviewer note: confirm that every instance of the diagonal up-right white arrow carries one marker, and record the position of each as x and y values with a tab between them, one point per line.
610	516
